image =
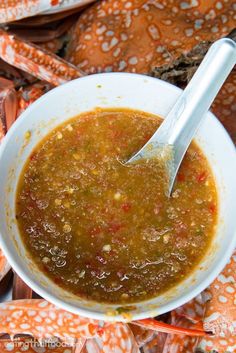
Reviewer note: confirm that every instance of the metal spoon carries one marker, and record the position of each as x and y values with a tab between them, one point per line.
173	137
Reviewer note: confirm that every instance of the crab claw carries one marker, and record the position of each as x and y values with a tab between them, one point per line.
35	60
155	325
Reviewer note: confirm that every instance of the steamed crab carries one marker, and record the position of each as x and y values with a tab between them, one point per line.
144	36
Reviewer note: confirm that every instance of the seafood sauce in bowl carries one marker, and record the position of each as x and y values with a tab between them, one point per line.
106	231
102	239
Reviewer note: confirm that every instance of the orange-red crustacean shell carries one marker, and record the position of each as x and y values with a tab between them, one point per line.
33	59
4	266
42	320
12	10
136	35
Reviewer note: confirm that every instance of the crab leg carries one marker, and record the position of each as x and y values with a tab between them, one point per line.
155	325
14	10
20	289
4	272
34	60
43	34
174	343
4	267
36	21
8	104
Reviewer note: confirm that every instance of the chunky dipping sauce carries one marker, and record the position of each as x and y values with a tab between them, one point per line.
105	231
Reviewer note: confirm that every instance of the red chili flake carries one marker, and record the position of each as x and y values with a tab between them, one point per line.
201	177
112	253
180	177
58	280
114	227
212	208
33	156
95	231
45	268
116	134
126	206
91	264
147	137
88	264
31	205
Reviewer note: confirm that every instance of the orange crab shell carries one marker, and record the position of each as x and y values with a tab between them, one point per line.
42	320
221	311
33	59
224	105
4	266
13	10
217	308
137	34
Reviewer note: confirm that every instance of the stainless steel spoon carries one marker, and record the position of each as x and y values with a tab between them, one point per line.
173	137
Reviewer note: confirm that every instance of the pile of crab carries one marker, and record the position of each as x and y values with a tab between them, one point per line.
46	43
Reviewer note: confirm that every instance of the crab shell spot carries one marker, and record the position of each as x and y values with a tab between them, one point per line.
189	32
25	326
43	314
222	299
31	312
40	328
223	279
17	314
38	319
52	315
187	5
230	289
154	32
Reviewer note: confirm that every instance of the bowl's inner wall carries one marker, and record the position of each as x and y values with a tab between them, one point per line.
113	90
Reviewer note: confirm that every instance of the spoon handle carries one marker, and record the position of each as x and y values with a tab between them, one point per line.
181	123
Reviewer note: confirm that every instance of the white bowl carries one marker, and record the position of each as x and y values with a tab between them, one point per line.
114	90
